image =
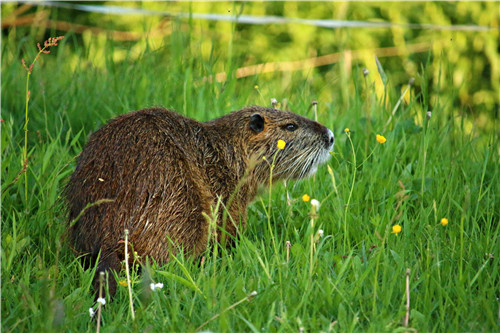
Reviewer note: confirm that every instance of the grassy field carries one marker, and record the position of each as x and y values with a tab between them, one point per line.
355	276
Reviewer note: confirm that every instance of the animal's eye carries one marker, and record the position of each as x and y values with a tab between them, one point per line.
291	127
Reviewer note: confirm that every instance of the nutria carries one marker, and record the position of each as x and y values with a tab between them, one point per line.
162	172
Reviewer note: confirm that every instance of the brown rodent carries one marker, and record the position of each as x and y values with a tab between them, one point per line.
162	171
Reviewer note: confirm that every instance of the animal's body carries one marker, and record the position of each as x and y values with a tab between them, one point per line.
162	171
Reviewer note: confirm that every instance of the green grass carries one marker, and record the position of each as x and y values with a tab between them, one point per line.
425	171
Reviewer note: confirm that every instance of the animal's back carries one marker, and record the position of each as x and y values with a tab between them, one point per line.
139	161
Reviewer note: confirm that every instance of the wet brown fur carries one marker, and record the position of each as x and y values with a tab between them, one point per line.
163	170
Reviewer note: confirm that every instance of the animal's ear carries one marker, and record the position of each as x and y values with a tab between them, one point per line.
257	123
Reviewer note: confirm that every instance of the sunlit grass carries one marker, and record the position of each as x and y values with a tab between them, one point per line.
419	196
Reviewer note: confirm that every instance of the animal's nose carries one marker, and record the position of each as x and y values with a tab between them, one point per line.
329	139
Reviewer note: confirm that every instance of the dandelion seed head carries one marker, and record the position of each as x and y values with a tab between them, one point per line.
315	204
155	286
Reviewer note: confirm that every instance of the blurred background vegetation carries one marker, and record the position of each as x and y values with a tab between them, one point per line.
169	54
325	57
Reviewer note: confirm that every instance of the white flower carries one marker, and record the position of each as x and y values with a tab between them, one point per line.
253	293
101	300
154	286
320	232
274	101
315	204
91	312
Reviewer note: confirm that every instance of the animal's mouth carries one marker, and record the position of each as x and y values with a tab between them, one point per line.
325	155
309	164
321	157
303	161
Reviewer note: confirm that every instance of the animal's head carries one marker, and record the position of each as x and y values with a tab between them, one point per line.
307	143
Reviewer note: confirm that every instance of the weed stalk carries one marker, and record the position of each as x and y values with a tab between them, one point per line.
288	246
313	217
407	317
346	235
128	276
52	41
99	306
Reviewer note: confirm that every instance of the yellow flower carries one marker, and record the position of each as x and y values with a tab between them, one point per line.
346	130
381	139
306	198
444	221
122	283
281	144
256	87
396	229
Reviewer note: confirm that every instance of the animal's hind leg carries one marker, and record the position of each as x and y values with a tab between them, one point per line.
109	263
